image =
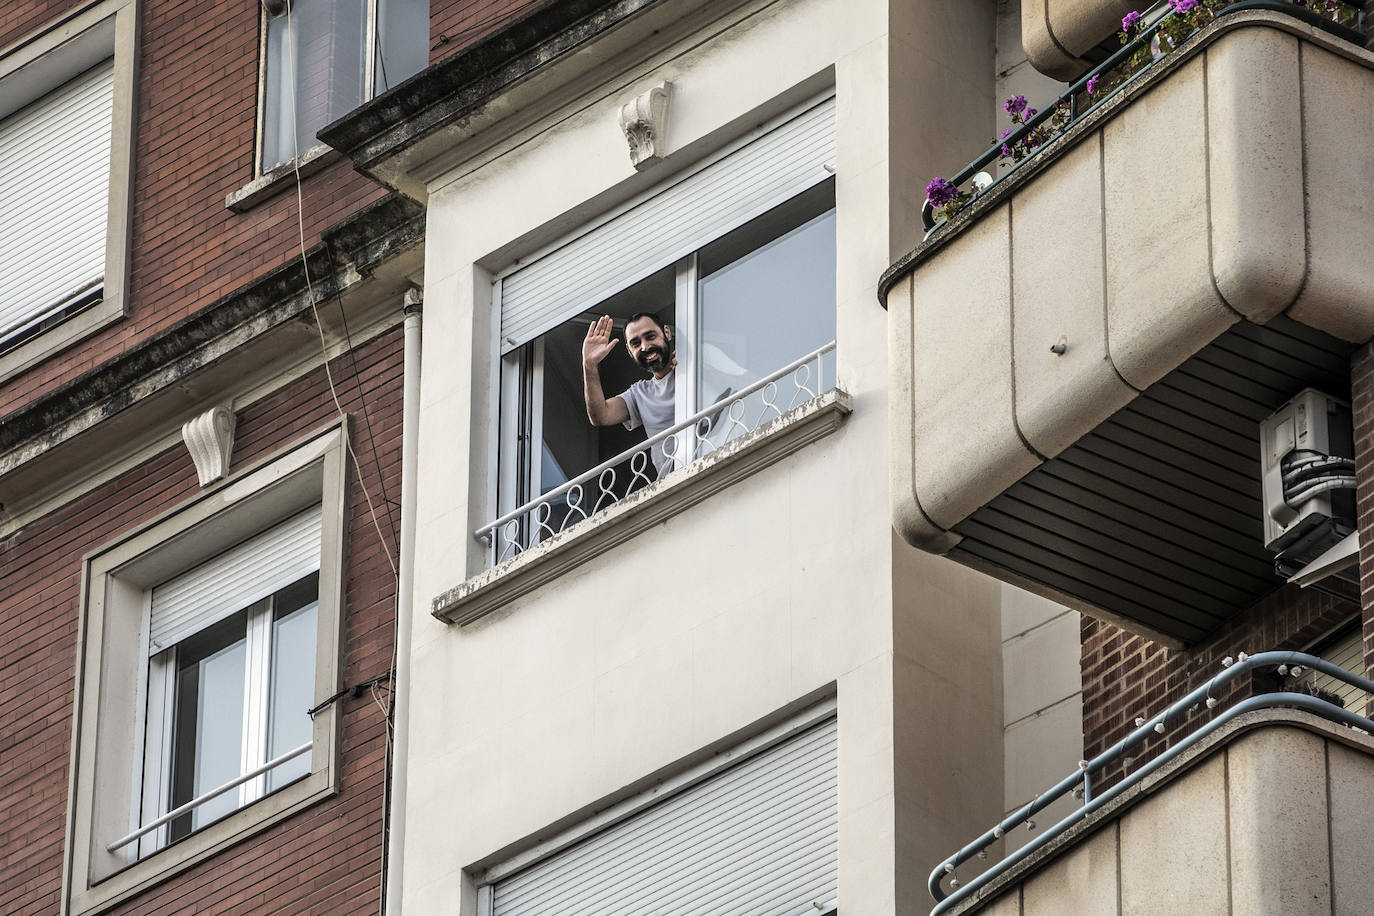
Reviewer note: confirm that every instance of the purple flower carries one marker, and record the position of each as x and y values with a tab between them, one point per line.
1014	105
1031	112
1006	151
1183	6
940	192
1128	22
1092	83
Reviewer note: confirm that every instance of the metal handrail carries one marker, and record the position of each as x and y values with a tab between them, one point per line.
484	533
1070	96
1155	726
207	796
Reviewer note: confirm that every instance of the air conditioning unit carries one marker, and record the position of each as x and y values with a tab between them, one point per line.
1308	462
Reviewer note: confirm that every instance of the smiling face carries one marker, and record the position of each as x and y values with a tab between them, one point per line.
650	345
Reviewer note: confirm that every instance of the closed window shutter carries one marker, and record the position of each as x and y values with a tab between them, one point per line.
667	226
54	198
759	838
235	579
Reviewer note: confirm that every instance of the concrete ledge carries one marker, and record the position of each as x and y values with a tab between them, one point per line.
272	183
1278	757
522	574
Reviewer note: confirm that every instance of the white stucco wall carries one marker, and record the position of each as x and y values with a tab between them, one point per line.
785	588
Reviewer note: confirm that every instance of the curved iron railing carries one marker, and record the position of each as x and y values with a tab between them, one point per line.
1081	779
1071	99
695	437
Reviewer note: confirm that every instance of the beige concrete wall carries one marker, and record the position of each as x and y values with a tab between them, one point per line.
786	588
1042	702
1275	820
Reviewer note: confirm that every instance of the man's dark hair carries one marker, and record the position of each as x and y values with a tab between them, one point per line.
649	315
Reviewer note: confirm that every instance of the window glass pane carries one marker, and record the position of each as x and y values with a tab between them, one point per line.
314	73
762	311
208	730
292	678
402	41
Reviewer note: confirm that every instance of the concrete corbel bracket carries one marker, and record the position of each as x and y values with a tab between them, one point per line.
644	119
210	440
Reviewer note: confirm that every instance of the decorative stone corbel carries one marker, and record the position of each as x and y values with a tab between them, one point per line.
210	438
645	121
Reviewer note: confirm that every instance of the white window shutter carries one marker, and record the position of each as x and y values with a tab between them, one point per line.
759	838
54	198
676	221
235	579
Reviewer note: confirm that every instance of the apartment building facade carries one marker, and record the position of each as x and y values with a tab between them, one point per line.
701	672
695	671
1163	297
201	368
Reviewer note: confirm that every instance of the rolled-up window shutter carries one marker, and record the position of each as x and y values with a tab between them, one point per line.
760	838
235	579
54	198
681	218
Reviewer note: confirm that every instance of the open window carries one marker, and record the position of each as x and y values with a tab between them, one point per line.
737	261
323	58
208	640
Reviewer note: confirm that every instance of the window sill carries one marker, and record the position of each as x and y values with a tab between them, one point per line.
272	183
204	843
770	443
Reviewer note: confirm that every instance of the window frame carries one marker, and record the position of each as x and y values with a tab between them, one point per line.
520	372
38	63
110	718
317	150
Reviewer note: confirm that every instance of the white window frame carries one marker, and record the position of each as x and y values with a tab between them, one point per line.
110	724
34	66
316	150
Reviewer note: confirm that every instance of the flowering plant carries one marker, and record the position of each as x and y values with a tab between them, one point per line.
1183	19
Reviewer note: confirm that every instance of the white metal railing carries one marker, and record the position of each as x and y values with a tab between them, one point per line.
695	437
207	796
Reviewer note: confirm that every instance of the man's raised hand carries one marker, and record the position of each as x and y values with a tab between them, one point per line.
599	342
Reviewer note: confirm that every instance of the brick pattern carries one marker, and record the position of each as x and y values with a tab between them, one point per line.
324	860
1125	676
454	24
195	139
1362	411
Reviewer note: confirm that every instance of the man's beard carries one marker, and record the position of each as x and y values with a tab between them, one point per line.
653	359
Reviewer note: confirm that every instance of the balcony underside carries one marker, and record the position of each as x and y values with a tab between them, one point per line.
1154	516
1081	358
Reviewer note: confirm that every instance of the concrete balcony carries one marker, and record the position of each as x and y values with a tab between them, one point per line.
1057	34
1271	814
1197	250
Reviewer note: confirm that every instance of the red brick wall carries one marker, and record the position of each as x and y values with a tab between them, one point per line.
1362	411
456	23
195	142
1125	676
324	860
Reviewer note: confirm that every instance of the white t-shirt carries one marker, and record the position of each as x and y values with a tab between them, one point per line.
652	403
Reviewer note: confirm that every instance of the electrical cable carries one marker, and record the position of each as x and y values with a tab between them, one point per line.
333	392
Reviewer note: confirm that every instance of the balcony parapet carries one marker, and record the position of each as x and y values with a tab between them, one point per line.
1233	180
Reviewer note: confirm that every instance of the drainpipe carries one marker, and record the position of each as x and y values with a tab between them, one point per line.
405	588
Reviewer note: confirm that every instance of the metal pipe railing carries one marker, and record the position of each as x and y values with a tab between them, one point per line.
207	796
1155	726
485	533
1156	16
